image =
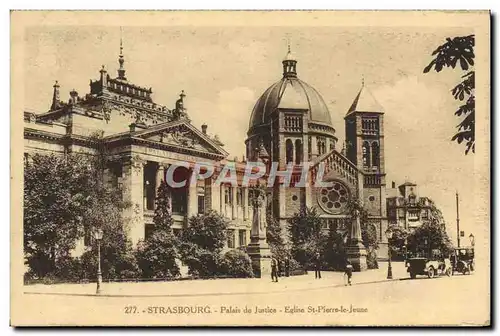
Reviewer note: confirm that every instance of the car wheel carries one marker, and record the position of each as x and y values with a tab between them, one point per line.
431	272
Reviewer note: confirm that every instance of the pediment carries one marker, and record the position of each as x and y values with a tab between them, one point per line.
183	135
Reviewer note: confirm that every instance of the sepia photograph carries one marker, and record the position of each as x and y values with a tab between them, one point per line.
250	168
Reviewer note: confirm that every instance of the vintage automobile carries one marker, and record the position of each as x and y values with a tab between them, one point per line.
431	265
463	260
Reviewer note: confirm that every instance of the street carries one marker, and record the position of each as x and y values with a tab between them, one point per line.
292	301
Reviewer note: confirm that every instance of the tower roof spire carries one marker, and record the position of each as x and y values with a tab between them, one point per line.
121	59
289	63
365	102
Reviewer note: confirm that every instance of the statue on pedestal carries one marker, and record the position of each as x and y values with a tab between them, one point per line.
258	249
356	251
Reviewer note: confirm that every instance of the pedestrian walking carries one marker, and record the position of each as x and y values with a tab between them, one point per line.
274	269
348	273
317	268
287	266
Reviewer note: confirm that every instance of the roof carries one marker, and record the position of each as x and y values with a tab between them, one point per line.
411	184
290	93
365	102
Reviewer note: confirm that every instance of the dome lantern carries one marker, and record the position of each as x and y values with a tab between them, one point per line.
289	64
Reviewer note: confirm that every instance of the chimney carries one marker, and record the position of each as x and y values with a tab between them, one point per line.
393	185
204	128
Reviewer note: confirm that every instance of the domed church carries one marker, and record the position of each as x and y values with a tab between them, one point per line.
290	124
293	124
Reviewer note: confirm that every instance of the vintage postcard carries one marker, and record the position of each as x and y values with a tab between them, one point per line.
293	168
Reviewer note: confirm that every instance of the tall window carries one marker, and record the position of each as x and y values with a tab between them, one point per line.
321	143
243	237
298	151
179	201
230	238
228	195
366	154
375	154
239	196
289	151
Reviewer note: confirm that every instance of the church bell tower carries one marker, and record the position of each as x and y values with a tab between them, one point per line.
364	125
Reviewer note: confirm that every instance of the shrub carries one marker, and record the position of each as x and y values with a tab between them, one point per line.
156	256
69	269
237	264
207	231
201	262
118	261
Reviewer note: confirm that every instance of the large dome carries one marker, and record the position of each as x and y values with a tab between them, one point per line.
290	93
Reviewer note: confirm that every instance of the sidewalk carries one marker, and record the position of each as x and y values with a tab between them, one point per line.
221	286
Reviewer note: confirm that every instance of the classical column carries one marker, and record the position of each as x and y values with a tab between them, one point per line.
133	193
356	252
234	205
208	194
215	195
258	249
192	201
314	147
245	203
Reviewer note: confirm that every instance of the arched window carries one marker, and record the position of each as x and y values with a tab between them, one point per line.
321	143
289	151
298	151
375	154
366	154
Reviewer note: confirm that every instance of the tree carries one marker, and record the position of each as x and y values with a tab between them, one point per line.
460	50
368	231
335	250
55	197
202	242
207	231
306	236
275	238
397	242
157	254
429	236
432	231
237	264
65	197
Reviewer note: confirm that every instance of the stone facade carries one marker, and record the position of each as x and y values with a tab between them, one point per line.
294	125
289	124
407	209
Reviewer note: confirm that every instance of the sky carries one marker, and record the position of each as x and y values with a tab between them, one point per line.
224	70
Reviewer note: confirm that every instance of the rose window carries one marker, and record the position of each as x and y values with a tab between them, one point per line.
333	199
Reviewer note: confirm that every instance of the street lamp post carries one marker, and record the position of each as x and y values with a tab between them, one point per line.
98	236
388	233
